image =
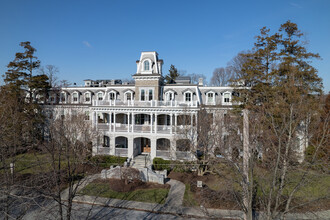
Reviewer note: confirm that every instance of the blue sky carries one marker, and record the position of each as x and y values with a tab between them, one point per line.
103	39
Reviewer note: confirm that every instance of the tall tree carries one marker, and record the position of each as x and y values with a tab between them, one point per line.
194	77
20	75
221	76
172	75
283	96
28	89
51	72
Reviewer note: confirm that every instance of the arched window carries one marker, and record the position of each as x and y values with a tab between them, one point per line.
146	65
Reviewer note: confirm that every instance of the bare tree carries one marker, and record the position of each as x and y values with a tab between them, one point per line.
221	76
68	148
194	77
51	71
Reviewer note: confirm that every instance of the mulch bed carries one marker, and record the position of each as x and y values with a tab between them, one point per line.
119	185
209	198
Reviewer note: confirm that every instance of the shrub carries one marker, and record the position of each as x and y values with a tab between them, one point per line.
161	164
108	160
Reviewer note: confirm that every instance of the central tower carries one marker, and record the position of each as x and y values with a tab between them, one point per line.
148	77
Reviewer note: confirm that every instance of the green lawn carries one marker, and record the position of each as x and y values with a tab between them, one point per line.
141	195
30	163
188	198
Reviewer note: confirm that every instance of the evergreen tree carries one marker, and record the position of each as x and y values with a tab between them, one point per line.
283	95
172	75
28	90
20	78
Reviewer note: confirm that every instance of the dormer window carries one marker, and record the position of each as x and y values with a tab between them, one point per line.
75	97
128	95
112	96
188	96
169	96
146	65
63	97
227	98
210	97
87	97
99	96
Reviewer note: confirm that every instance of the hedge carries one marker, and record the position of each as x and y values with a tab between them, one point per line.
172	165
108	160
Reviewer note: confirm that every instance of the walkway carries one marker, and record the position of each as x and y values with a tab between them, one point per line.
176	193
173	205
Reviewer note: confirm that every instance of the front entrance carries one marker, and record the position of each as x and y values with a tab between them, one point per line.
142	145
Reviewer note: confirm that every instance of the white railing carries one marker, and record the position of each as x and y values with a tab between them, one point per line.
152	103
103	126
103	150
122	127
142	128
163	153
163	129
183	155
121	152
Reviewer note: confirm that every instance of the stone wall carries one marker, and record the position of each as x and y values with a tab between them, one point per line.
144	174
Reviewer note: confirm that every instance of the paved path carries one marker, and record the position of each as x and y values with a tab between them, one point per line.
176	193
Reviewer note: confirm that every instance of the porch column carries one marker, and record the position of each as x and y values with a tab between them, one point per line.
110	121
156	123
112	145
94	119
191	119
114	121
97	119
130	150
175	121
173	148
133	122
153	142
171	120
128	119
151	122
196	115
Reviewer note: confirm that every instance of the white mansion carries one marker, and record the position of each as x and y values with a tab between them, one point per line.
143	117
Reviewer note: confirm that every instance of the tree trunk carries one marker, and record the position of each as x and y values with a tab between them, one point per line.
247	197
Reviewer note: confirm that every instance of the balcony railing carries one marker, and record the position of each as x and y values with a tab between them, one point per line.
163	153
163	129
152	103
121	152
103	150
142	128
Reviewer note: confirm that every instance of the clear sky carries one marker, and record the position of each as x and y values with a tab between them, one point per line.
103	39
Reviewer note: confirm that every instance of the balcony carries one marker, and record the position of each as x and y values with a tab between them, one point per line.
154	103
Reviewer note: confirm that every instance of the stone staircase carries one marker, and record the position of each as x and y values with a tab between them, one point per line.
141	161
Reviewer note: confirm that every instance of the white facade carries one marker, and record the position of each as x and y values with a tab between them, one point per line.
144	117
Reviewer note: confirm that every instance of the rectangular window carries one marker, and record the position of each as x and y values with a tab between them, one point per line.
150	95
142	95
62	97
226	97
100	96
209	97
128	96
188	97
75	97
112	96
87	97
170	96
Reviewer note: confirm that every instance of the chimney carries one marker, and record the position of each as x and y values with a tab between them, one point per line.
200	81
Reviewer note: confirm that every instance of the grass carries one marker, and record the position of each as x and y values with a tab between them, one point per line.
33	163
141	195
188	198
